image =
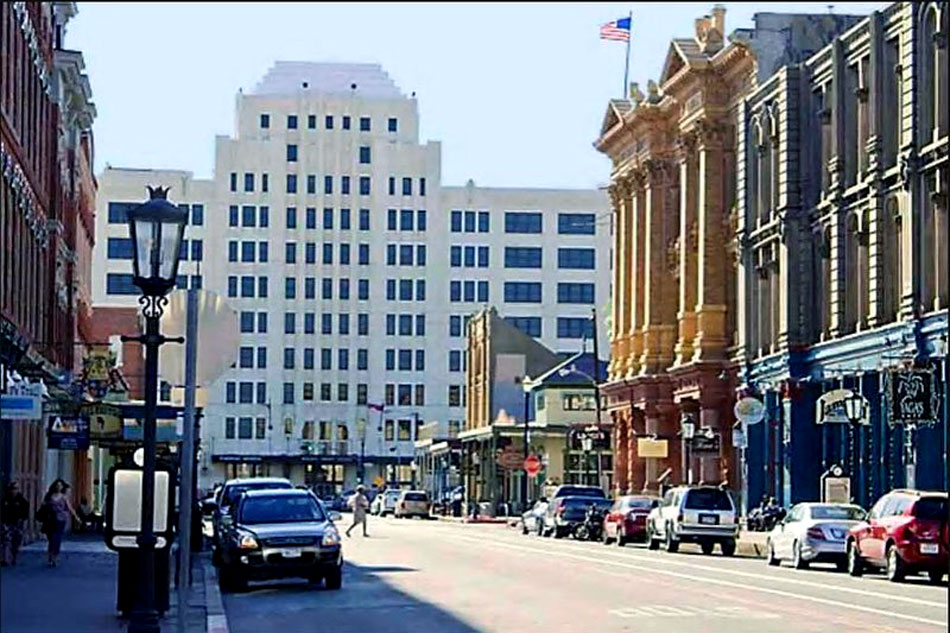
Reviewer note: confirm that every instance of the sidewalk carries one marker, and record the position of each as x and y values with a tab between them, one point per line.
78	596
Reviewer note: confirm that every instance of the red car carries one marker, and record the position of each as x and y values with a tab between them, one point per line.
906	533
626	520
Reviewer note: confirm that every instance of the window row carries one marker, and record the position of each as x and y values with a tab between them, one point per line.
469	221
531	292
121	283
245	392
406	220
402	360
310	253
365	122
402	395
402	290
469	256
405	324
567	223
405	255
118	212
468	291
326	288
308	324
122	248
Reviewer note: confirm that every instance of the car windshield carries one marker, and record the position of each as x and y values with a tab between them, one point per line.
932	509
844	513
582	492
235	491
708	499
281	509
641	502
577	502
415	496
392	495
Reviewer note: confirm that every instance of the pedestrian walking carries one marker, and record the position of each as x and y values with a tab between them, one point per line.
14	511
359	503
53	515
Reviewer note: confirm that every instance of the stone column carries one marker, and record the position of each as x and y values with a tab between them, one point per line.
617	331
636	262
636	469
621	438
687	248
653	426
659	292
711	338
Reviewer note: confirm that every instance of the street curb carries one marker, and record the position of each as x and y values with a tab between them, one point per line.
488	520
217	620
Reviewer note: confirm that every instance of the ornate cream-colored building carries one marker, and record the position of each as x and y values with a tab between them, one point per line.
673	190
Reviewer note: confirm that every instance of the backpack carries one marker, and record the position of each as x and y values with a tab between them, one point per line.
44	513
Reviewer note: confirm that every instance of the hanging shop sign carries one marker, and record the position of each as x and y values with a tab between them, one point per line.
749	410
67	433
23	402
705	444
649	447
105	421
833	408
911	396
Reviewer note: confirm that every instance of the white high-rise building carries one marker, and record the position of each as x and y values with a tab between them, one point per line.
354	270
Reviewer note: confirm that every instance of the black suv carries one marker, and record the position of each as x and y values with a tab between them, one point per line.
280	534
226	496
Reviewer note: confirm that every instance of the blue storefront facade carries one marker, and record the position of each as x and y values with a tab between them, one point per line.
842	258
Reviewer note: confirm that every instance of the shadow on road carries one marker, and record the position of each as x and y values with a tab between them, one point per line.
366	602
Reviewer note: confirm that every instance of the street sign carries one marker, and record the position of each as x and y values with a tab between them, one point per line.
510	460
703	444
649	447
532	465
17	407
911	397
749	410
739	439
379	481
67	433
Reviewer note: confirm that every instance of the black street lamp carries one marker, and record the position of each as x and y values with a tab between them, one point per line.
688	429
156	229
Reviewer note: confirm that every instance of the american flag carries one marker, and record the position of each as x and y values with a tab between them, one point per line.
618	30
376	407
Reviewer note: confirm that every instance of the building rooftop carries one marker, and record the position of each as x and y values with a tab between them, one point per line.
325	78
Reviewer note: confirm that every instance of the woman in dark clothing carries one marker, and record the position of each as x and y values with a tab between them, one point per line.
56	514
13	513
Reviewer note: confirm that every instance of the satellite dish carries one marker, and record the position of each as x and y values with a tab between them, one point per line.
218	338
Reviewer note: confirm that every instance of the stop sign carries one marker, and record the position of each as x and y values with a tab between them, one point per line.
532	465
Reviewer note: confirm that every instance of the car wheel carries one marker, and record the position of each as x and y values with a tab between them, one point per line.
558	533
855	564
672	545
334	578
936	575
707	547
895	565
797	561
728	548
652	542
771	558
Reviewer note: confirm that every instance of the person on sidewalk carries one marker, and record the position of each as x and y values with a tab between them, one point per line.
14	512
56	511
359	503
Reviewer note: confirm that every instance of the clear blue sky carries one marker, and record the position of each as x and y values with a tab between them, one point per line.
515	92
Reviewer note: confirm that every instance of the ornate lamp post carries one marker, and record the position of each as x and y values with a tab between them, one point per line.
688	429
156	229
587	444
361	432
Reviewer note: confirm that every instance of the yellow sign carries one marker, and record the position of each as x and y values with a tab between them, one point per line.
649	447
379	481
98	363
105	421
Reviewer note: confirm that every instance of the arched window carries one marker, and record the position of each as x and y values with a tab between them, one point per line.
851	290
893	258
823	266
752	170
928	79
774	158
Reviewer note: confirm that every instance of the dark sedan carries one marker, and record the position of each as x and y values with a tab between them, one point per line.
280	534
564	514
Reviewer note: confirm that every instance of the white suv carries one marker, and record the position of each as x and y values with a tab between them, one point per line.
694	514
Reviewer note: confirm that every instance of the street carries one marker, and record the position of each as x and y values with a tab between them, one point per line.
413	575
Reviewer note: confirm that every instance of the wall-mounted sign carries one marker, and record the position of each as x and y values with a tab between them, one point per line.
832	408
20	407
836	490
67	434
105	421
649	447
911	397
703	444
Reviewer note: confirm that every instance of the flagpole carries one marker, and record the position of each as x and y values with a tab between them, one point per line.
626	65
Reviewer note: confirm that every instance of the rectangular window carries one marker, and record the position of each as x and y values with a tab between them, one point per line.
364	124
327	252
326	358
362	359
245	428
362	290
232	284
422	187
265	184
405	219
229	428
522	222
455	256
265	121
390	325
260	428
311	183
310	253
469	221
405	325
328	184
455	360
198	214
247	322
197	250
264	215
327	218
405	290
390	360
455	395
248	182
290	288
326	288
308	358
420	325
420	360
343	324
288	358
529	325
307	396
420	255
407	186
261	393
390	395
345	254
288	393
364	155
262	287
345	185
343	359
247	286
246	357
455	291
328	122
575	293
246	392
311	121
290	253
362	393
363	255
483	222
405	395
468	291
364	185
575	223
248	251
391	124
248	216
522	257
421	220
574	327
342	392
345	289
262	252
309	323
469	256
364	219
575	258
483	257
262	321
392	186
420	290
344	219
483	292
405	254
310	218
522	292
232	215
391	220
290	322
233	181
291	121
326	324
291	183
390	290
455	326
121	248
231	392
291	217
291	153
362	324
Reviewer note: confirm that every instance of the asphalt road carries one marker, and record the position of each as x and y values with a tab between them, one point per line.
413	575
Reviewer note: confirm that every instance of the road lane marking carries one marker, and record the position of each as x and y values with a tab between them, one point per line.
715	581
670	611
781	576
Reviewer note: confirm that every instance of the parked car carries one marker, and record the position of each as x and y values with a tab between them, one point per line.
564	514
412	503
813	532
279	534
906	533
228	494
384	503
694	514
576	490
532	520
627	519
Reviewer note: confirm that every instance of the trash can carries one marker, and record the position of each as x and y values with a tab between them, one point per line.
130	577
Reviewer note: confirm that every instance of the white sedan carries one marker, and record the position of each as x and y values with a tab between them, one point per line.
813	532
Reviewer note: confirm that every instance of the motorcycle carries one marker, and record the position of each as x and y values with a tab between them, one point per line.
591	528
764	519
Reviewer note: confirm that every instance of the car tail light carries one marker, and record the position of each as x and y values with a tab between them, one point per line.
815	533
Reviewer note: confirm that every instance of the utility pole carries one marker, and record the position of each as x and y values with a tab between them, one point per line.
593	319
187	462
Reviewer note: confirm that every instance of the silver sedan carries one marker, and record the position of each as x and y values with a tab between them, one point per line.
813	532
